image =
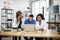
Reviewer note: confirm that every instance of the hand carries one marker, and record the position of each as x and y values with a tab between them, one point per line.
41	29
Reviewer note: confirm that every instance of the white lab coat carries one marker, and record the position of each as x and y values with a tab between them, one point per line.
16	24
43	25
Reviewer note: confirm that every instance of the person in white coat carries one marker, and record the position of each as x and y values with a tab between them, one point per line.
19	17
41	24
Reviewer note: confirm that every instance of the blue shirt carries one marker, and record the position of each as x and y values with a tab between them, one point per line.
28	22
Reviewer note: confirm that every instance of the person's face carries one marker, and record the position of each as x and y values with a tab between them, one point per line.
20	15
30	19
39	18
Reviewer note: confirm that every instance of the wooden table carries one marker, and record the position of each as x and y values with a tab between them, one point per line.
56	24
43	34
47	34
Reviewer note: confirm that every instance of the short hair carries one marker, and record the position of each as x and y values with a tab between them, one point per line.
31	15
41	16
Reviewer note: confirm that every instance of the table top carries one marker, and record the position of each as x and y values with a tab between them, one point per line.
49	33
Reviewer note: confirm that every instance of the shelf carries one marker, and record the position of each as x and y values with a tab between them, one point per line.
53	22
6	9
9	19
6	17
3	23
3	16
9	13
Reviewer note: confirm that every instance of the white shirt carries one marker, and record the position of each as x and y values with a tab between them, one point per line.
43	25
16	24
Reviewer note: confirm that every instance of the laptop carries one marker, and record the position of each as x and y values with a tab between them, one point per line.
28	27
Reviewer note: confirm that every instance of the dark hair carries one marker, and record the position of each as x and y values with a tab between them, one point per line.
41	16
31	15
18	14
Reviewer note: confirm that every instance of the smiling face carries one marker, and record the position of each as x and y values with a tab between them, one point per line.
39	18
20	15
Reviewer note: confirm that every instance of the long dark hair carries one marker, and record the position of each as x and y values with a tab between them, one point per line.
41	16
18	14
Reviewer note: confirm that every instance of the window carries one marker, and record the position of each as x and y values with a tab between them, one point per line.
40	7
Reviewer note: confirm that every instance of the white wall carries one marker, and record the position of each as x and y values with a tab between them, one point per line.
20	5
0	13
16	5
55	2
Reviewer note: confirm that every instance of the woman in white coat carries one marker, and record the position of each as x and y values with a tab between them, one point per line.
19	17
41	24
